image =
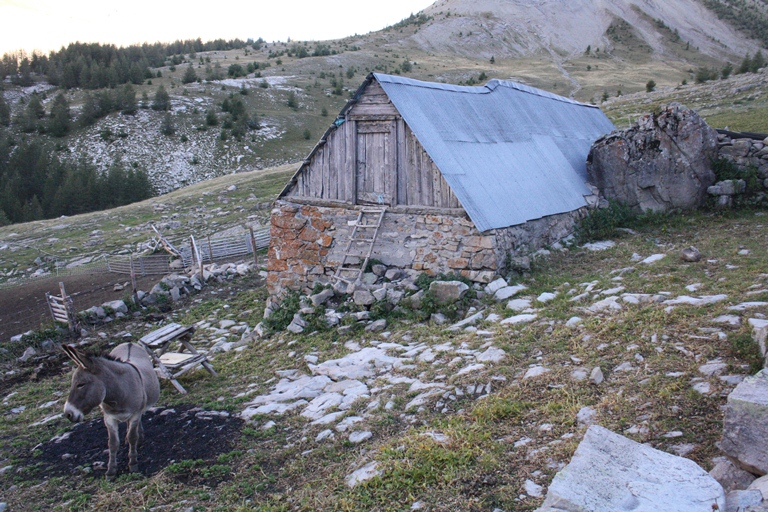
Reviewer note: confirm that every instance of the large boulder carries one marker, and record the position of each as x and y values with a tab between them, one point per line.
662	163
609	472
745	427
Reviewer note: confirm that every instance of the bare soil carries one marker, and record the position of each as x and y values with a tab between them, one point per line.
24	307
181	433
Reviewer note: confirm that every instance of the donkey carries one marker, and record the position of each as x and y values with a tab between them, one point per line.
124	384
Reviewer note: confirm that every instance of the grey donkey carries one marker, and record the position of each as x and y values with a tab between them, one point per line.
124	384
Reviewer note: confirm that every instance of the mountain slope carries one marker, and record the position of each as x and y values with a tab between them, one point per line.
519	28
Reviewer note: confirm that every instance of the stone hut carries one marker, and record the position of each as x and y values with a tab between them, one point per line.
468	177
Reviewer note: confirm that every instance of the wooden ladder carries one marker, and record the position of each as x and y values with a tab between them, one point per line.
360	245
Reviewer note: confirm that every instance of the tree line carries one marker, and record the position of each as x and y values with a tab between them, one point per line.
96	66
37	184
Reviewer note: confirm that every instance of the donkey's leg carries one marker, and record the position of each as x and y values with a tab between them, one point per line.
114	444
134	434
141	433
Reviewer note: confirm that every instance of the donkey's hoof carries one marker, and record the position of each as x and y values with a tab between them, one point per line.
111	475
134	468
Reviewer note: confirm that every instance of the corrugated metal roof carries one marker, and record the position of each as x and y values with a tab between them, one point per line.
511	153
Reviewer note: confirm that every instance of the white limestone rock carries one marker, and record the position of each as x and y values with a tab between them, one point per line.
609	472
508	292
519	319
492	355
535	371
363	474
519	304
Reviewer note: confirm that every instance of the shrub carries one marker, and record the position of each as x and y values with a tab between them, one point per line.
650	86
603	222
292	101
282	315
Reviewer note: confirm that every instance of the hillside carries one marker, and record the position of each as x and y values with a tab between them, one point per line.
476	419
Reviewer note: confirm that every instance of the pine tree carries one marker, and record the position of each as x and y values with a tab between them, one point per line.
758	62
166	127
746	65
189	75
5	112
126	100
162	100
61	119
89	112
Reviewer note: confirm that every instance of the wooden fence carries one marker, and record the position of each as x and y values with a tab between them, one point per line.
225	248
210	250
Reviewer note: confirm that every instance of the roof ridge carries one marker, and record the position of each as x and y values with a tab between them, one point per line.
490	86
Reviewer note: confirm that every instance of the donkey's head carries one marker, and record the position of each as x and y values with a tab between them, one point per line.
87	390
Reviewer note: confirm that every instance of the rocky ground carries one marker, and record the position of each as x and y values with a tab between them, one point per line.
394	413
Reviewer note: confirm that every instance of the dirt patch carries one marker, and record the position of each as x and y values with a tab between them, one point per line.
24	307
171	435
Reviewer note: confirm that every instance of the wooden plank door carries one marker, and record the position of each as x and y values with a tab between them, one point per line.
376	168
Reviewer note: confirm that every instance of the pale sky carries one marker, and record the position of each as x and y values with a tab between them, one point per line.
49	24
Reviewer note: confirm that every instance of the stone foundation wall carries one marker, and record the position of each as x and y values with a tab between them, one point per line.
745	153
536	234
308	243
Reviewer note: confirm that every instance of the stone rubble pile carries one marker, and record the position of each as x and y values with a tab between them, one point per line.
170	288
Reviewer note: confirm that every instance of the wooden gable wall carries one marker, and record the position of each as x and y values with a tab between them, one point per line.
373	157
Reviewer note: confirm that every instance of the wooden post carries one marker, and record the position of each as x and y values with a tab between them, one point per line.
134	291
68	306
196	256
253	247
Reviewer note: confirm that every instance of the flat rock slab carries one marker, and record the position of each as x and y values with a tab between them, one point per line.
695	301
610	473
745	427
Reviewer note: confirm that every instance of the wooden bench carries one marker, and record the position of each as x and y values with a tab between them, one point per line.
188	358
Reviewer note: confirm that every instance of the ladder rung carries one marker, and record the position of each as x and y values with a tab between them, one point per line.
362	239
367	225
365	210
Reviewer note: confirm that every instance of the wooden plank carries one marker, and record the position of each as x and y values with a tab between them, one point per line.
350	161
374	127
176	359
401	179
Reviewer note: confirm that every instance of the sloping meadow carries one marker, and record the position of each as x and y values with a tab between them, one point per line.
487	432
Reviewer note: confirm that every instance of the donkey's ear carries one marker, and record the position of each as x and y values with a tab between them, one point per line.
80	358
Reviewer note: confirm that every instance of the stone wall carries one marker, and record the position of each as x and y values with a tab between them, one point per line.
308	243
745	153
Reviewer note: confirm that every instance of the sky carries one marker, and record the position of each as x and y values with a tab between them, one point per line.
50	24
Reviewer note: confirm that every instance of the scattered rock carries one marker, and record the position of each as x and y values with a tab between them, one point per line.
741	501
596	377
745	427
586	417
535	371
731	477
366	472
691	255
448	292
359	437
508	292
